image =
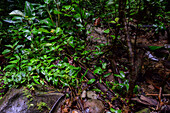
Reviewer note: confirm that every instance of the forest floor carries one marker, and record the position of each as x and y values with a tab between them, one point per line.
154	77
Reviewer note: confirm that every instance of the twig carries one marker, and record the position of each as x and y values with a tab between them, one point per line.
164	95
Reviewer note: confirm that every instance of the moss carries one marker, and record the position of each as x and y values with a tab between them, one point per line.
42	105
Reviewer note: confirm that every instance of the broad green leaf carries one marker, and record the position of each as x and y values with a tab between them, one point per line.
110	2
48	22
152	48
58	30
106	75
117	75
48	44
112	22
106	31
113	36
28	10
18	46
91	81
115	111
116	19
14	61
57	12
43	30
67	7
9	46
17	12
9	66
122	74
47	1
6	51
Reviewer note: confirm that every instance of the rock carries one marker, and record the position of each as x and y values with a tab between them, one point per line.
21	101
94	106
91	95
146	110
83	95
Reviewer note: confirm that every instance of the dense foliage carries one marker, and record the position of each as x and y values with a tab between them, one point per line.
43	42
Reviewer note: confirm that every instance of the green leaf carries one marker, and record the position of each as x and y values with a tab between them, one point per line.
67	7
9	66
28	10
84	75
36	78
91	81
58	30
112	22
57	12
9	46
48	44
152	48
115	111
49	22
17	12
106	31
98	70
18	46
43	30
14	61
110	2
117	75
106	75
104	65
112	110
122	74
47	1
6	51
116	19
15	43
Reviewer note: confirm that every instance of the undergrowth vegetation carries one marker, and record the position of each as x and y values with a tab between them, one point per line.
47	43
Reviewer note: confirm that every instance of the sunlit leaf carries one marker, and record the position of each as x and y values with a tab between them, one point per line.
6	51
18	46
9	66
14	61
17	12
48	44
57	12
122	74
116	19
36	79
47	21
43	30
98	70
106	31
106	75
91	81
117	75
47	1
112	22
104	65
110	2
